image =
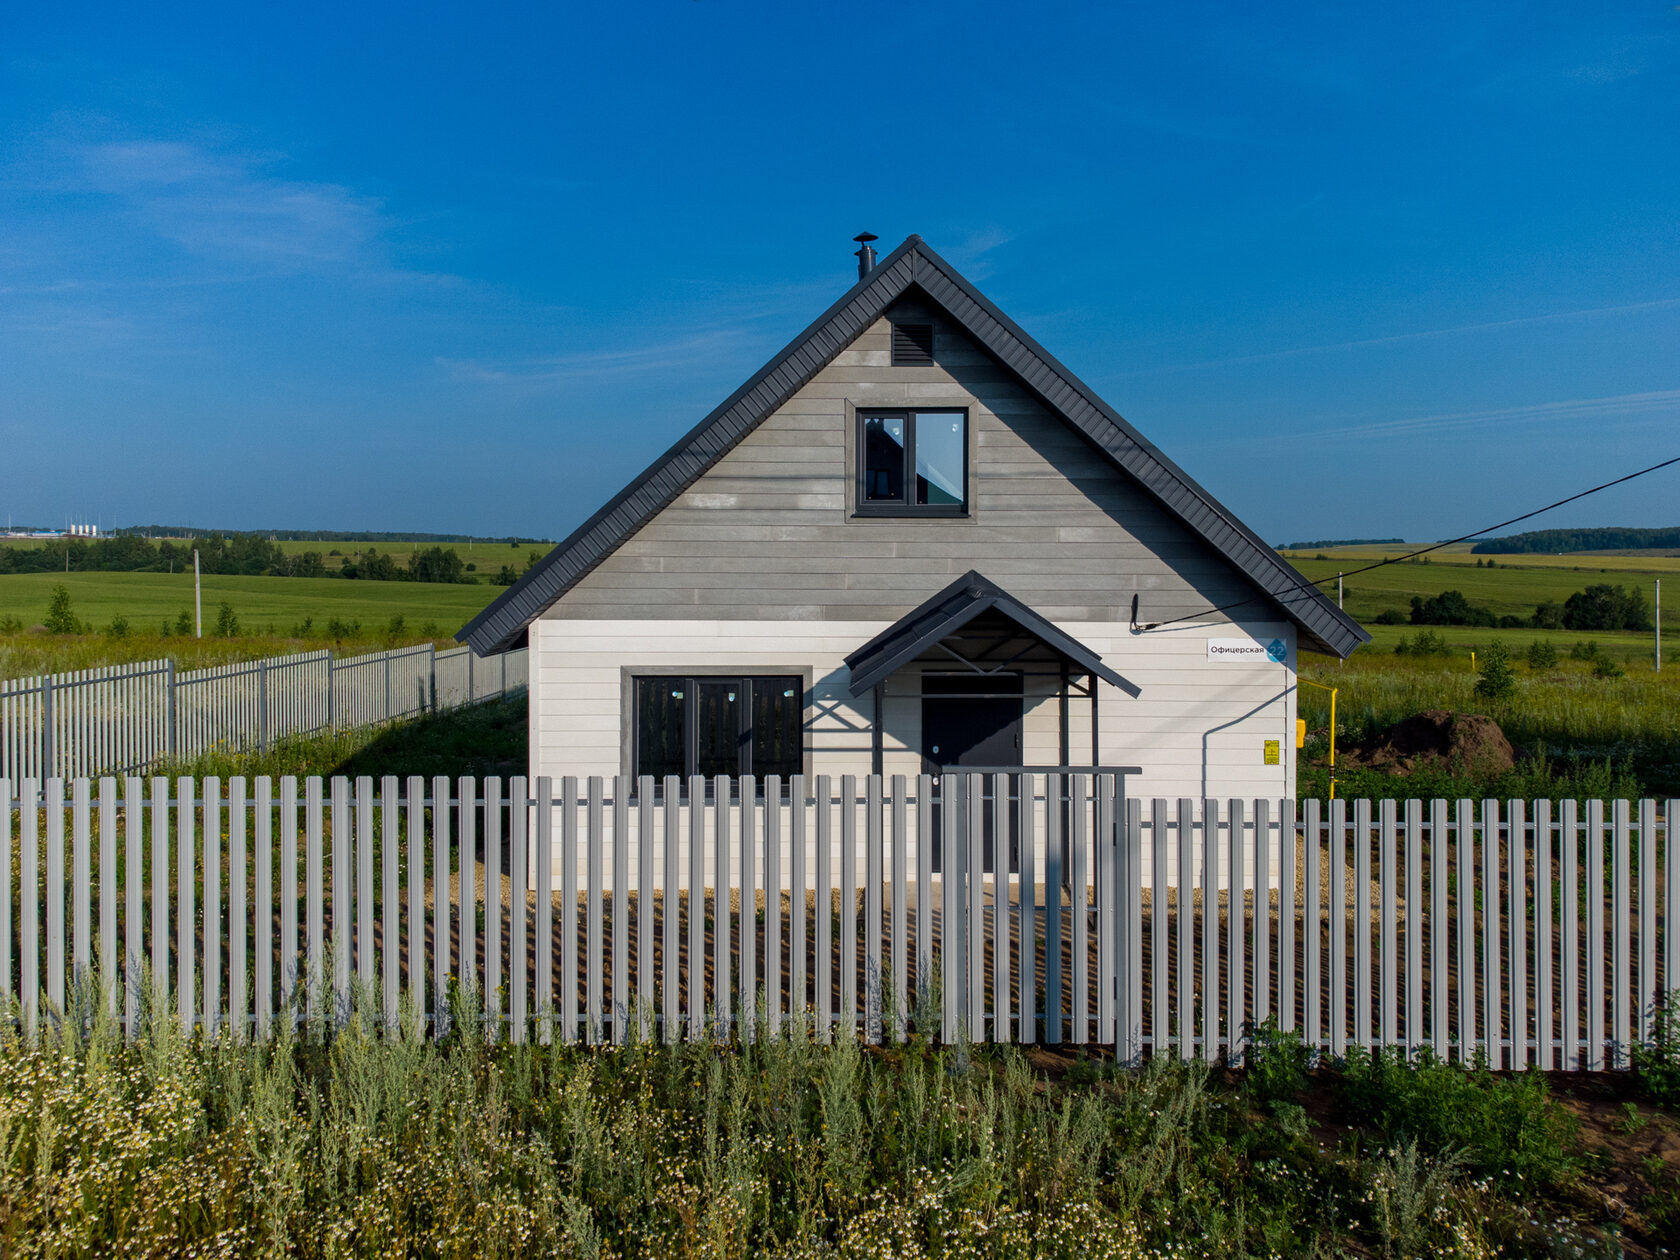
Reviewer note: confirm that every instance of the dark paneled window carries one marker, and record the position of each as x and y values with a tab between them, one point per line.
710	726
913	463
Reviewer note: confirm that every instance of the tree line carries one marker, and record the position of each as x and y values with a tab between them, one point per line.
1601	607
1552	541
250	555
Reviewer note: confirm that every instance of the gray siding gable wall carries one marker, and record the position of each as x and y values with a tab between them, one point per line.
768	531
1062	489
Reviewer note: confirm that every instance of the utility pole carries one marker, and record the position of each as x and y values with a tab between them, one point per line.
198	597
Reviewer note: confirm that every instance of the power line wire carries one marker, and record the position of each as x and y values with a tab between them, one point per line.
1304	585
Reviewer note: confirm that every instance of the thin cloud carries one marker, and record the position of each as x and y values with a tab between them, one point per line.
1399	338
1617	405
548	371
225	207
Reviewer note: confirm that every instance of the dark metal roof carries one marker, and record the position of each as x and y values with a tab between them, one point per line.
912	266
969	597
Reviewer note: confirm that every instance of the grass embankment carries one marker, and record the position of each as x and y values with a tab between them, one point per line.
367	1145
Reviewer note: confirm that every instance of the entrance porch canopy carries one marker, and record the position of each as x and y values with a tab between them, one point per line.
965	600
976	625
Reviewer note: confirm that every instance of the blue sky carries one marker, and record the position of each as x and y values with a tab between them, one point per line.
1398	270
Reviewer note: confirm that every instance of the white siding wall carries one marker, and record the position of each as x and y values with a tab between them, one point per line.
1198	729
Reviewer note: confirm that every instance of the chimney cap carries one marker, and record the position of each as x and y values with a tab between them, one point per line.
863	238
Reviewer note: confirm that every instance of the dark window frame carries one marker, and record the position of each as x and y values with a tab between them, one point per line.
691	684
907	506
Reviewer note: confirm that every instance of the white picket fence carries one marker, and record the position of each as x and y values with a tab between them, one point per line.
1525	933
124	718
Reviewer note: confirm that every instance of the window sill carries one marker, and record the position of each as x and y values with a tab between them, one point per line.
897	511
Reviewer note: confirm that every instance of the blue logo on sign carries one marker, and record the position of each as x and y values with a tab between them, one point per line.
1277	650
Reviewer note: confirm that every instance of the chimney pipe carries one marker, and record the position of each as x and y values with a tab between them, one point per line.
865	253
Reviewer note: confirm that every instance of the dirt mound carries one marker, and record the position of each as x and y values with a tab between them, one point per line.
1466	742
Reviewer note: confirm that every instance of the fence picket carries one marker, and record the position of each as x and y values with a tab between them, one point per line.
236	907
620	911
1620	941
696	909
492	793
185	870
593	862
519	887
974	913
1569	951
670	905
212	904
1595	934
1516	923
1209	884
721	884
1002	840
748	927
1027	990
569	909
1079	793
545	903
134	806
1236	930
390	907
29	923
1544	941
645	986
773	971
108	880
900	919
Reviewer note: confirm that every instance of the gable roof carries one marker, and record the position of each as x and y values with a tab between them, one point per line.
966	599
913	266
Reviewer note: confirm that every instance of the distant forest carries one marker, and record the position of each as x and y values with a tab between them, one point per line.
315	535
1339	542
249	554
1552	541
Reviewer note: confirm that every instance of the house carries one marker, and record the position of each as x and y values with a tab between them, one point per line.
915	541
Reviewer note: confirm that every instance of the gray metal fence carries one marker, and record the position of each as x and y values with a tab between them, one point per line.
1023	907
124	718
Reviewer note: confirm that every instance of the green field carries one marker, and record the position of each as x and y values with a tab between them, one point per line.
1509	590
146	599
276	616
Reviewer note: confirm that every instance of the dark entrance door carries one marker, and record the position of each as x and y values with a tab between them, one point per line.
970	720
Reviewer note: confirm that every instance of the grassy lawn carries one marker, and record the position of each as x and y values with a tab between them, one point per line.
365	1144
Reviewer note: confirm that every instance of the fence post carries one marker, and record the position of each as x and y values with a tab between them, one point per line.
503	691
387	686
262	706
46	727
432	662
471	655
332	696
169	710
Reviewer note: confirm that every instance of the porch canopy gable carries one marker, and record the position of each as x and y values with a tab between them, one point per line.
968	598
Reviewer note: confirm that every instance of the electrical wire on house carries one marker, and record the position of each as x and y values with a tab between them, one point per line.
1305	585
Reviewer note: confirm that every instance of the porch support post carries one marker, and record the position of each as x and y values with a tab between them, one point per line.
1096	741
877	740
1065	754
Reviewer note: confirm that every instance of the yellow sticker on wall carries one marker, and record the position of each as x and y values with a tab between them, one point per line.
1272	752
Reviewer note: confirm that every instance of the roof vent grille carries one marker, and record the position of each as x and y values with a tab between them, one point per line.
912	345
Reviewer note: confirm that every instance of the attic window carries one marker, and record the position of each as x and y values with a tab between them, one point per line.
912	345
912	463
